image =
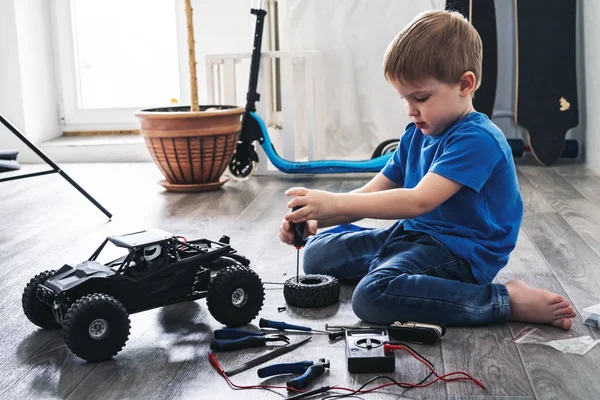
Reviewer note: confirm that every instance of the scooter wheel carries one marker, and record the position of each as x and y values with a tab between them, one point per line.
388	146
241	171
311	291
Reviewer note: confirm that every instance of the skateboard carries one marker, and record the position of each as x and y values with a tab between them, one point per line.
482	14
547	78
8	160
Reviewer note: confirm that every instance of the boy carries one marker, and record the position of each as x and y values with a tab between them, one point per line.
453	188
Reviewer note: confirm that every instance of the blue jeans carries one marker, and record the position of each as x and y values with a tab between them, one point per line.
405	276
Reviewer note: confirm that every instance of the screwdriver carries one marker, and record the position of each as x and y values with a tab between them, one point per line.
284	326
299	241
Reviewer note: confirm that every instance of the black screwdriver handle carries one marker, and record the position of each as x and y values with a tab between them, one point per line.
336	335
298	229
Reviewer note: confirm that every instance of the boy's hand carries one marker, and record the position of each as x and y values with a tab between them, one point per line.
286	235
316	204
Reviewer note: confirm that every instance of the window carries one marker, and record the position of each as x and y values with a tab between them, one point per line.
126	52
115	57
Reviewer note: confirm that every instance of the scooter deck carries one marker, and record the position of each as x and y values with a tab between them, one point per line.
482	14
547	78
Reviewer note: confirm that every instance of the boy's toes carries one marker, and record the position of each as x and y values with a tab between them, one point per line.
564	323
557	299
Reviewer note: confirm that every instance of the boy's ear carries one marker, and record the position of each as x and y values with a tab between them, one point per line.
467	83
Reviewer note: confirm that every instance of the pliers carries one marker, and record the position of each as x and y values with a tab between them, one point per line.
308	369
229	339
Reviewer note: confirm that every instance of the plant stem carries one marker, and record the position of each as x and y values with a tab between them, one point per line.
192	55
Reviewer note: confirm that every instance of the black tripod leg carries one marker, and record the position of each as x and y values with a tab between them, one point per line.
56	168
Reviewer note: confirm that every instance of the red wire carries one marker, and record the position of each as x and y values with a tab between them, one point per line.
388	347
445	377
215	363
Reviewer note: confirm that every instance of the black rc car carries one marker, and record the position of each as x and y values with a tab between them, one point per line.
92	301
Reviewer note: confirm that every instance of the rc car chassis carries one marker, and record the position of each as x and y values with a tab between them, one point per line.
92	301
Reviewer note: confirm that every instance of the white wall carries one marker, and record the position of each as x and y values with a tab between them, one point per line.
220	27
38	80
590	116
11	102
28	95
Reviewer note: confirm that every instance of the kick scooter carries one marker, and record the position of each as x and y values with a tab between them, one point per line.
245	158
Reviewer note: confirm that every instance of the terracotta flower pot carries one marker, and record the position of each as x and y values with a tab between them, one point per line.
192	150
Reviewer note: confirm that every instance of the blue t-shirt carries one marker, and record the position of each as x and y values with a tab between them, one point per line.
481	222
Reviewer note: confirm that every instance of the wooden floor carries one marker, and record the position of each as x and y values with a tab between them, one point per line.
45	223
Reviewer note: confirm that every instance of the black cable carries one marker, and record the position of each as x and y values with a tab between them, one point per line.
339	396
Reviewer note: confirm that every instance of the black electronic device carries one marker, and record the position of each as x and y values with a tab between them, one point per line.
364	350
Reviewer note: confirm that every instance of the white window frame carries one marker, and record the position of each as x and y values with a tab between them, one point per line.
75	118
72	116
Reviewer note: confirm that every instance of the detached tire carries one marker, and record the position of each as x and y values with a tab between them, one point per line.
96	327
312	291
37	312
235	296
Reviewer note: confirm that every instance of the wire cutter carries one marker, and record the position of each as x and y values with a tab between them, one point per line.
229	339
308	369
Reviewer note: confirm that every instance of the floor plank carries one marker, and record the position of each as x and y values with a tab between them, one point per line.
549	183
533	201
497	361
46	222
552	374
589	188
571	259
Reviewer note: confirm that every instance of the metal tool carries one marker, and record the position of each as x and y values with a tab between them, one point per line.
283	326
299	241
418	332
335	328
246	342
267	357
308	369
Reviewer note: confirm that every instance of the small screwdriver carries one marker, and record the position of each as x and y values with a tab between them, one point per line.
299	241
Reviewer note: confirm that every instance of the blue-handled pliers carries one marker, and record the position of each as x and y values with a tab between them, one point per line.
308	369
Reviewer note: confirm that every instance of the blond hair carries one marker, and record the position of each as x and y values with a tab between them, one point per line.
436	44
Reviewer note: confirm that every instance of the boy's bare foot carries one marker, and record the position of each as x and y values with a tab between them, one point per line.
529	304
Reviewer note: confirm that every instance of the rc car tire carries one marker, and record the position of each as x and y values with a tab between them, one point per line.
235	296
96	327
37	312
311	291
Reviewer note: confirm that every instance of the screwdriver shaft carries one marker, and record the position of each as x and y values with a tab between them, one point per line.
297	264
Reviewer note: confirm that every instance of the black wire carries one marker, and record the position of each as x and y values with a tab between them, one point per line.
339	396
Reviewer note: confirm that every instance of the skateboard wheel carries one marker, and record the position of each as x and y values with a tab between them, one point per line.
571	149
517	146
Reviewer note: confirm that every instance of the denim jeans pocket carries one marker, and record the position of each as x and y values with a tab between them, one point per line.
432	240
465	269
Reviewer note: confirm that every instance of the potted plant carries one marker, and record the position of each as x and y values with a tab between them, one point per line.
191	145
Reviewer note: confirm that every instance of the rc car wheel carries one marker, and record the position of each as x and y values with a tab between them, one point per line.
388	146
96	327
311	291
235	296
37	312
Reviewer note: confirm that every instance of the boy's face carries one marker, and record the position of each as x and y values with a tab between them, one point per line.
433	105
